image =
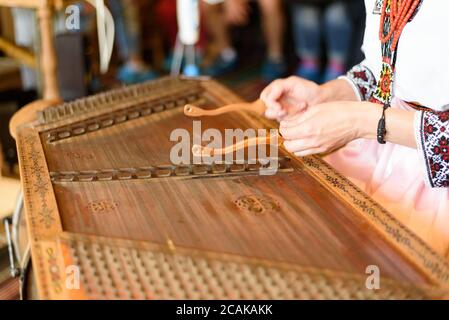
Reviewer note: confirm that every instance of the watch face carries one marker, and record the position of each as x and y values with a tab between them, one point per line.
377	7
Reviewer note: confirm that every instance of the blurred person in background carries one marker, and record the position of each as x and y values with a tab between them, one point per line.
219	16
127	28
314	21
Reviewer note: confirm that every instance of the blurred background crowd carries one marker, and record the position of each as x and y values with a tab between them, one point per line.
243	43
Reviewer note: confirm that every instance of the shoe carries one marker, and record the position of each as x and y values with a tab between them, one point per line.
272	70
308	72
168	61
220	66
191	70
129	75
334	69
146	76
166	66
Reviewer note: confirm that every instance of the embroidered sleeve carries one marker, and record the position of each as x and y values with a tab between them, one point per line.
362	81
432	139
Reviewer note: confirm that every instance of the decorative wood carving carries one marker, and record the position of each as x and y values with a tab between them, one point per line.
166	171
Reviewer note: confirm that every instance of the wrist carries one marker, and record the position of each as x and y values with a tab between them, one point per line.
366	119
336	90
321	95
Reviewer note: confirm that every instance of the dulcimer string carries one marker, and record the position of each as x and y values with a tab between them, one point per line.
257	107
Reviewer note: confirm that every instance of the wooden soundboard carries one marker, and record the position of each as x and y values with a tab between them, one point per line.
102	196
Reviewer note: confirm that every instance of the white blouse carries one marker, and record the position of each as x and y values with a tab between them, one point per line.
422	65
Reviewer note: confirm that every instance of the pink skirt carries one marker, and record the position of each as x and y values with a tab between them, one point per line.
393	175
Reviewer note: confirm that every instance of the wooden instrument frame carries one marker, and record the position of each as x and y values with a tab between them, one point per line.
51	244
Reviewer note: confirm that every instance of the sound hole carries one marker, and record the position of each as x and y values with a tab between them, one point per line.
102	206
257	205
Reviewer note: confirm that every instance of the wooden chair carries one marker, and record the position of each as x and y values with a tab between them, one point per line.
47	63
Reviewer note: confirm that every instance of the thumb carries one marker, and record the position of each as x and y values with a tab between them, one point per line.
291	120
301	106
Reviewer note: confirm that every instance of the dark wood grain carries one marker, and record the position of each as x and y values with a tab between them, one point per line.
310	228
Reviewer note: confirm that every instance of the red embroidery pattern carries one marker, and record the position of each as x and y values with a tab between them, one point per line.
435	146
364	80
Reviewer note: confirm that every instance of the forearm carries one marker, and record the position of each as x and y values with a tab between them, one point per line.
399	123
426	131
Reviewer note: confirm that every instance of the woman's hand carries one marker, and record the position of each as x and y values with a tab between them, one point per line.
288	96
328	126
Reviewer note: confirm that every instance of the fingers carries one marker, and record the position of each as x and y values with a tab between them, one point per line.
294	108
309	152
294	132
291	120
271	96
298	145
299	131
302	147
275	111
274	91
279	99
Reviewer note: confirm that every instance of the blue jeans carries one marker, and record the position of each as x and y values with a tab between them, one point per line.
126	32
312	22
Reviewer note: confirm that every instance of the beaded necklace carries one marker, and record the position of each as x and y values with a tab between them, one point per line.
395	14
